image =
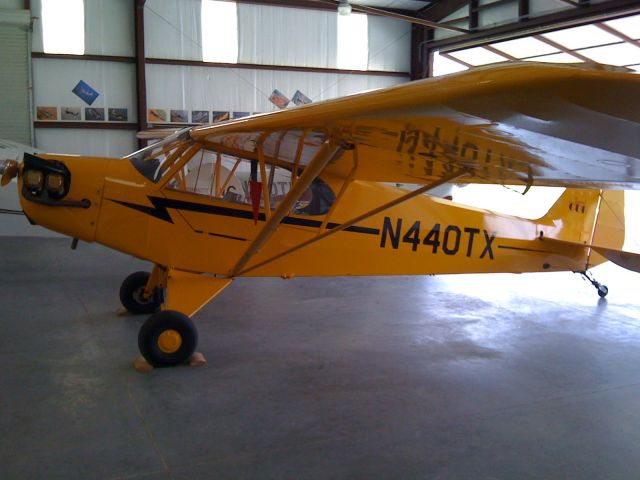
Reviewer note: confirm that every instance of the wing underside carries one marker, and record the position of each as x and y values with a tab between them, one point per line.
526	124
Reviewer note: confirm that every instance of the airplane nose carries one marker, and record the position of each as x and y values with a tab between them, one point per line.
62	192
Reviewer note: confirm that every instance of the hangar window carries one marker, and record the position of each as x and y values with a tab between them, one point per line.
353	42
219	31
63	28
614	42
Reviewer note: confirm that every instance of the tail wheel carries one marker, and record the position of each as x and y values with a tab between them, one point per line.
602	291
167	338
132	294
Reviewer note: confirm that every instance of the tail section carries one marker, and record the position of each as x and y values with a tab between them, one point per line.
593	219
572	218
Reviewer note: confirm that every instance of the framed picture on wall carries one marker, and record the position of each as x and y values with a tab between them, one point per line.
118	114
200	116
217	116
179	116
72	114
47	113
157	115
278	99
300	98
94	114
84	91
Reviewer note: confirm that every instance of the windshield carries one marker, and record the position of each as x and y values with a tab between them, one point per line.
155	160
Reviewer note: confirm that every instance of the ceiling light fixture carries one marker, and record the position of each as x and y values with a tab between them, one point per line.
344	8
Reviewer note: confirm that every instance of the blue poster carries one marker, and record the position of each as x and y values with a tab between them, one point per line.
85	92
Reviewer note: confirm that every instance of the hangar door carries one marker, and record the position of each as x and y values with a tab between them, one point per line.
15	110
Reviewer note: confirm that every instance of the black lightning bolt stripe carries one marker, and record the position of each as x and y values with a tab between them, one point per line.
161	212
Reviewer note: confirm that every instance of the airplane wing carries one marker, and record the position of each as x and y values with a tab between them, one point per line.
517	123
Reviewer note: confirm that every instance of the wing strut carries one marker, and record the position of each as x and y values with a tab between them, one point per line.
453	176
329	152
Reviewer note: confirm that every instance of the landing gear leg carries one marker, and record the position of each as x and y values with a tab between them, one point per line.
602	289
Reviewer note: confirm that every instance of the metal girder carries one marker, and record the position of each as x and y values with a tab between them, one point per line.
315	5
573	16
141	81
438	10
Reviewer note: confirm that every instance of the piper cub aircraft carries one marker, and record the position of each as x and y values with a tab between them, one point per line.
308	191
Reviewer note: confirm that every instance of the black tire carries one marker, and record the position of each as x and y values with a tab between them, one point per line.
603	291
131	292
171	326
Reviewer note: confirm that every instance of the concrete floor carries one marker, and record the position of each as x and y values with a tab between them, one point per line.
467	377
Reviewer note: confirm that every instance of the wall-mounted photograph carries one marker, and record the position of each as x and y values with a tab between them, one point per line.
47	113
179	116
219	116
278	99
118	114
85	92
94	114
157	115
240	114
72	114
199	116
300	98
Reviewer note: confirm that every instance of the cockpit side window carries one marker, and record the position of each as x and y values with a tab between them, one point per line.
226	177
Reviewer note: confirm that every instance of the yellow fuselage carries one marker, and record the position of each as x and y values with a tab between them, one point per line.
198	233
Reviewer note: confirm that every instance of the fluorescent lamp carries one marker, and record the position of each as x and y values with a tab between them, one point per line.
344	8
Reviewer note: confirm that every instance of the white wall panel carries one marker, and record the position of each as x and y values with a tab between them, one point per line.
541	7
109	27
389	44
172	29
498	14
54	79
99	143
225	89
287	36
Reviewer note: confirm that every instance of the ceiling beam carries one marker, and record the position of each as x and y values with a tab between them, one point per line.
316	5
572	16
442	9
332	5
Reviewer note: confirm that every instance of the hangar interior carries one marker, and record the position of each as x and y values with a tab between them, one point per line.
466	376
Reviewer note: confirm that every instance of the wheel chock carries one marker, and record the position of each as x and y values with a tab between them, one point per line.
141	365
197	360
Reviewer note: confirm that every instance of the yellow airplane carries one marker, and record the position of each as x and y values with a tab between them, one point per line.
308	191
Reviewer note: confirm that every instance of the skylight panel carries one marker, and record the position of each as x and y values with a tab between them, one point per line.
581	37
63	28
478	56
444	66
353	42
524	47
219	31
630	26
556	58
621	54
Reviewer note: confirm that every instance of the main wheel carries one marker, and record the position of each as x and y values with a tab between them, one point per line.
167	338
132	294
602	291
